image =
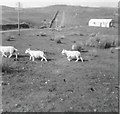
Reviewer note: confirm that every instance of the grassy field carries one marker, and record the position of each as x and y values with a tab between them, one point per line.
59	85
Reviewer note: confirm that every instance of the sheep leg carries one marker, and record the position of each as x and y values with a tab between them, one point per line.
3	54
33	58
68	58
42	59
77	59
30	58
10	55
81	59
45	59
16	55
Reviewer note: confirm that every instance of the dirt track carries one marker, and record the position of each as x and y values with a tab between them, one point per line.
59	85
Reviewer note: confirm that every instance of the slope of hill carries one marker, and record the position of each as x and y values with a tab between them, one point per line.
74	15
6	8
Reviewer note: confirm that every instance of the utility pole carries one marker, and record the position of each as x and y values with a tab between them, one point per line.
19	18
56	20
62	24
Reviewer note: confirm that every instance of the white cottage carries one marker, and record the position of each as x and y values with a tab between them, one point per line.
101	22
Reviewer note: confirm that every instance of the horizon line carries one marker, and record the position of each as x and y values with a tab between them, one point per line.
63	5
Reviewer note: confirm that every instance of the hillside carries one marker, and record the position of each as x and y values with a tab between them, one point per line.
77	14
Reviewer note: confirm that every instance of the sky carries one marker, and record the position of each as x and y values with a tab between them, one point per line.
43	3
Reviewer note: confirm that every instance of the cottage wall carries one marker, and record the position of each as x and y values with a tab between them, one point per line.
100	22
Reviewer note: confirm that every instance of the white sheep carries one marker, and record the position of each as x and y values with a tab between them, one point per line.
72	54
8	49
36	54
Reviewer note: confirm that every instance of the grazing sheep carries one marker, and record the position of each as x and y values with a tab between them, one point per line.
36	54
8	49
72	54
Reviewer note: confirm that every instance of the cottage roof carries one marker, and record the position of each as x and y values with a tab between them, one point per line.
100	20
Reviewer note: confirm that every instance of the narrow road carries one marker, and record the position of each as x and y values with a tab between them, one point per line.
17	30
22	30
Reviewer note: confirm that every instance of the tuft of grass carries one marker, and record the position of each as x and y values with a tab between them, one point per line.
43	34
10	38
76	34
78	46
81	34
92	42
8	68
52	39
5	67
93	53
58	41
102	42
58	38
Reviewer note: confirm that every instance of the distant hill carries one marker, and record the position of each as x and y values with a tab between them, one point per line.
6	8
74	15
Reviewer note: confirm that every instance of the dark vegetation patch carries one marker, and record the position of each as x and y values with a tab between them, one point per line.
43	34
58	39
102	41
76	34
78	46
10	38
8	69
14	26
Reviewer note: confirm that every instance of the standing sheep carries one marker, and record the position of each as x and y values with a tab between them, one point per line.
72	54
36	54
8	49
